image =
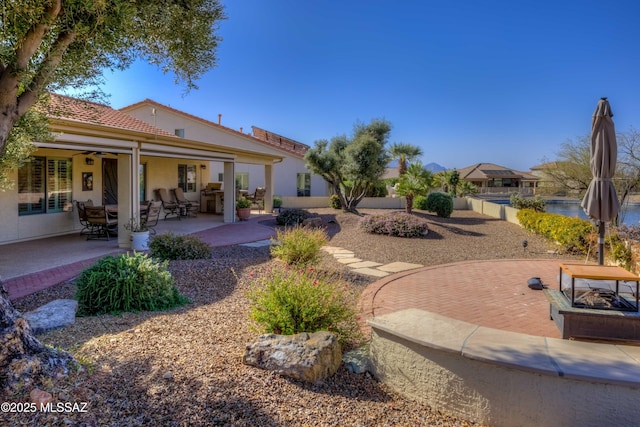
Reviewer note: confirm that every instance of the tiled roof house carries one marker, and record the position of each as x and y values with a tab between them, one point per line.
492	178
125	158
290	177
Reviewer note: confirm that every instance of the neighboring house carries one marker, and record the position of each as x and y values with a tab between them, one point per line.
110	157
290	177
490	178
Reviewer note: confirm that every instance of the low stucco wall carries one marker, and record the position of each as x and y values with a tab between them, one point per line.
459	203
502	378
494	210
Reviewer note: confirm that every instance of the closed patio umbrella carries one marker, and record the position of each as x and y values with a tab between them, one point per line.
601	201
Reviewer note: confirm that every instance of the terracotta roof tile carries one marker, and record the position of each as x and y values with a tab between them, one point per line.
259	135
68	108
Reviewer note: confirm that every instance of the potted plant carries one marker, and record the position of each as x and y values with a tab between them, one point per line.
243	208
139	234
277	204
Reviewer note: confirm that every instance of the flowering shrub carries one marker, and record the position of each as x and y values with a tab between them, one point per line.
289	301
299	245
292	217
399	224
572	234
171	246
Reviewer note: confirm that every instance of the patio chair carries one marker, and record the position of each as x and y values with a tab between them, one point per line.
82	216
257	198
152	216
102	224
169	206
192	207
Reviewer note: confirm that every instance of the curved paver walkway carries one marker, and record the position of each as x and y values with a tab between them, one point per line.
491	293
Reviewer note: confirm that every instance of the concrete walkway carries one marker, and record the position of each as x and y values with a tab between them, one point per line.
28	267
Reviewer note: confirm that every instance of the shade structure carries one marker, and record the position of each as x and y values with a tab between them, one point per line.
601	201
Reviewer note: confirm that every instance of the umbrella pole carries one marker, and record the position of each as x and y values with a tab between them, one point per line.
601	242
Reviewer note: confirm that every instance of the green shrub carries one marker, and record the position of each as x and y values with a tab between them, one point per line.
334	202
299	245
290	301
126	283
292	217
377	189
440	203
420	202
620	252
171	246
399	224
571	233
536	203
277	202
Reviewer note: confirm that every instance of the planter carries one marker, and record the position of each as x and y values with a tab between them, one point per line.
140	240
243	213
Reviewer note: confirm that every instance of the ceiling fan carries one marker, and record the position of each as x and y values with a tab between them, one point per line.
98	154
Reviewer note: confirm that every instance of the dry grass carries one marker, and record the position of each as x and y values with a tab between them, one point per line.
184	367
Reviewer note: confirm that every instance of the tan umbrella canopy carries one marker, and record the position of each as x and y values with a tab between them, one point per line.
601	201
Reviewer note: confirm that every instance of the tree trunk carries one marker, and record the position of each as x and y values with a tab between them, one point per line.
9	114
23	359
409	200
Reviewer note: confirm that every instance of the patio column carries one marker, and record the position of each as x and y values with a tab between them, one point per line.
268	183
229	187
124	199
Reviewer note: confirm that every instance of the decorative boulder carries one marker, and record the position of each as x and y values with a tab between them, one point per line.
56	314
357	361
308	357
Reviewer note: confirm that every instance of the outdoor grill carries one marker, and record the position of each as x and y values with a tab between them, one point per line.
599	287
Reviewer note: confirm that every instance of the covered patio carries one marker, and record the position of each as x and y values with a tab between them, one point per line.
109	157
37	264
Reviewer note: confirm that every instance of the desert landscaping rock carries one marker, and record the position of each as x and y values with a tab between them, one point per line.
357	361
56	314
307	357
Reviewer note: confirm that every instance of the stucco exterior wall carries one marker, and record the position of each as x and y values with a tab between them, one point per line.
161	172
483	376
285	172
284	177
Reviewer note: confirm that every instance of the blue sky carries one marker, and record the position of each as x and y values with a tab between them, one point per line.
468	81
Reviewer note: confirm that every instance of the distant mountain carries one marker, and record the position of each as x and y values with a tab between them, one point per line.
434	167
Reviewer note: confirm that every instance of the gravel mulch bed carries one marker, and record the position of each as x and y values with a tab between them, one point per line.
184	367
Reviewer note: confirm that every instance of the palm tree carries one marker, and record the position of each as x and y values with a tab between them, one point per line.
404	153
416	181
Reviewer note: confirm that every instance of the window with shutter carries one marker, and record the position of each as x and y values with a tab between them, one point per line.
44	186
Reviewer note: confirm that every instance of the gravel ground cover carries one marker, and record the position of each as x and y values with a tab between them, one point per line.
184	367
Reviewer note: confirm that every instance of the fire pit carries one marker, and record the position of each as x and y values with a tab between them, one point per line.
596	302
602	287
602	299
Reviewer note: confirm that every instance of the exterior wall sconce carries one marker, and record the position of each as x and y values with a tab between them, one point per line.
203	166
88	161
